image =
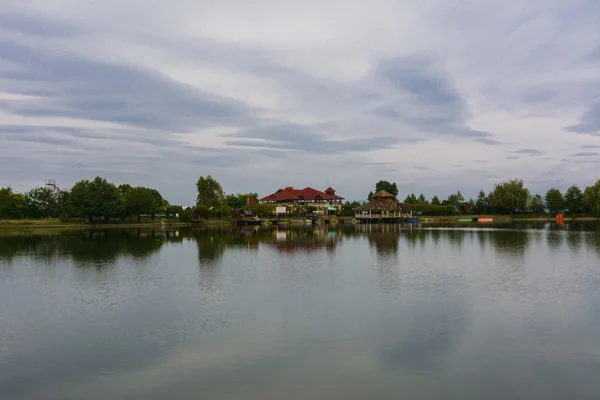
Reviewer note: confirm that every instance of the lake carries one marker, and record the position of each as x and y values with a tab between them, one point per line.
350	312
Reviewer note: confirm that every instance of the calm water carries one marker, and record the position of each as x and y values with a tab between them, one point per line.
357	312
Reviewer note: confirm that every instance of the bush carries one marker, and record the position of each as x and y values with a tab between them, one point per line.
261	210
185	216
429	209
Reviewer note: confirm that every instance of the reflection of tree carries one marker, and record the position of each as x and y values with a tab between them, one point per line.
509	242
101	248
554	237
39	245
574	239
95	248
211	244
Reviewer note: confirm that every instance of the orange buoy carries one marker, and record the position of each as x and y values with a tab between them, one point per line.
559	218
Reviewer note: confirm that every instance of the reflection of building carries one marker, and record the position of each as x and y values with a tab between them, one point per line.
305	240
307	197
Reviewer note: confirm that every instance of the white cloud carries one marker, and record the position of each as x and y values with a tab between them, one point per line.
433	95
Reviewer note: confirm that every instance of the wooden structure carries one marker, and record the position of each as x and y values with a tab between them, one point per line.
241	217
382	208
195	218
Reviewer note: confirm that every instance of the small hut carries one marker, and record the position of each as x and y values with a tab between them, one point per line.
383	205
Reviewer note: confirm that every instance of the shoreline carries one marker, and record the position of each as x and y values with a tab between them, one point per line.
425	220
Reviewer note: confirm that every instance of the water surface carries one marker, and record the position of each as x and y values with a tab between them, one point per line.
349	312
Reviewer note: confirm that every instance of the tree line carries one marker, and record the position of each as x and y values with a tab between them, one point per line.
99	199
507	197
87	200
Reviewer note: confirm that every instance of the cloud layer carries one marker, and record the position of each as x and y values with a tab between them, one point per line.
433	96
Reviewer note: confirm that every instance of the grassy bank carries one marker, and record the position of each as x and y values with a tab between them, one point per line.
52	223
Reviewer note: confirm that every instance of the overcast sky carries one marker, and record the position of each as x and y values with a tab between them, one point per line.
435	95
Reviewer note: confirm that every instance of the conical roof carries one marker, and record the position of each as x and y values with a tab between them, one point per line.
383	193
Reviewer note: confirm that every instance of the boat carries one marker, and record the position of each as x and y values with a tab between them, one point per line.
412	220
465	220
485	219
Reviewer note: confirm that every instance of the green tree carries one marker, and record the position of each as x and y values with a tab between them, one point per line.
139	200
12	205
210	192
435	201
422	200
536	204
348	208
391	188
574	200
481	204
41	202
411	199
239	200
370	196
455	199
554	200
6	198
471	204
95	199
509	196
592	198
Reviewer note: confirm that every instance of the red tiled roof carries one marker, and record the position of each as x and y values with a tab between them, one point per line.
251	200
291	194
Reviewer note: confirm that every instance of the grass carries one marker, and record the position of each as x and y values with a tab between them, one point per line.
56	223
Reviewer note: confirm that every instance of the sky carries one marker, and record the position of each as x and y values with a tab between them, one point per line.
436	96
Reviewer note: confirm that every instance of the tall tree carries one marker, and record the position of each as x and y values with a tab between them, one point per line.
210	192
554	200
574	200
391	188
41	203
6	198
95	199
12	205
536	204
435	201
481	204
421	199
140	200
411	199
592	198
510	196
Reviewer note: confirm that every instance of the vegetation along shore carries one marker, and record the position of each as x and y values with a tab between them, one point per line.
102	203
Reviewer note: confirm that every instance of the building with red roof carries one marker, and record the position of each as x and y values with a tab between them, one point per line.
309	197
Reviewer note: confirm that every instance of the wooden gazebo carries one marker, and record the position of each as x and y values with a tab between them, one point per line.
382	206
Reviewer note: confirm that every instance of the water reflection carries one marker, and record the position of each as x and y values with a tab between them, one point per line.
101	248
296	312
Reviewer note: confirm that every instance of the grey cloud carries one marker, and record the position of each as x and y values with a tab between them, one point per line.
531	152
583	160
590	146
424	98
415	75
489	142
512	157
81	88
36	25
589	123
585	154
304	138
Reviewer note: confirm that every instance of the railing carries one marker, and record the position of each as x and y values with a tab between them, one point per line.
377	216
